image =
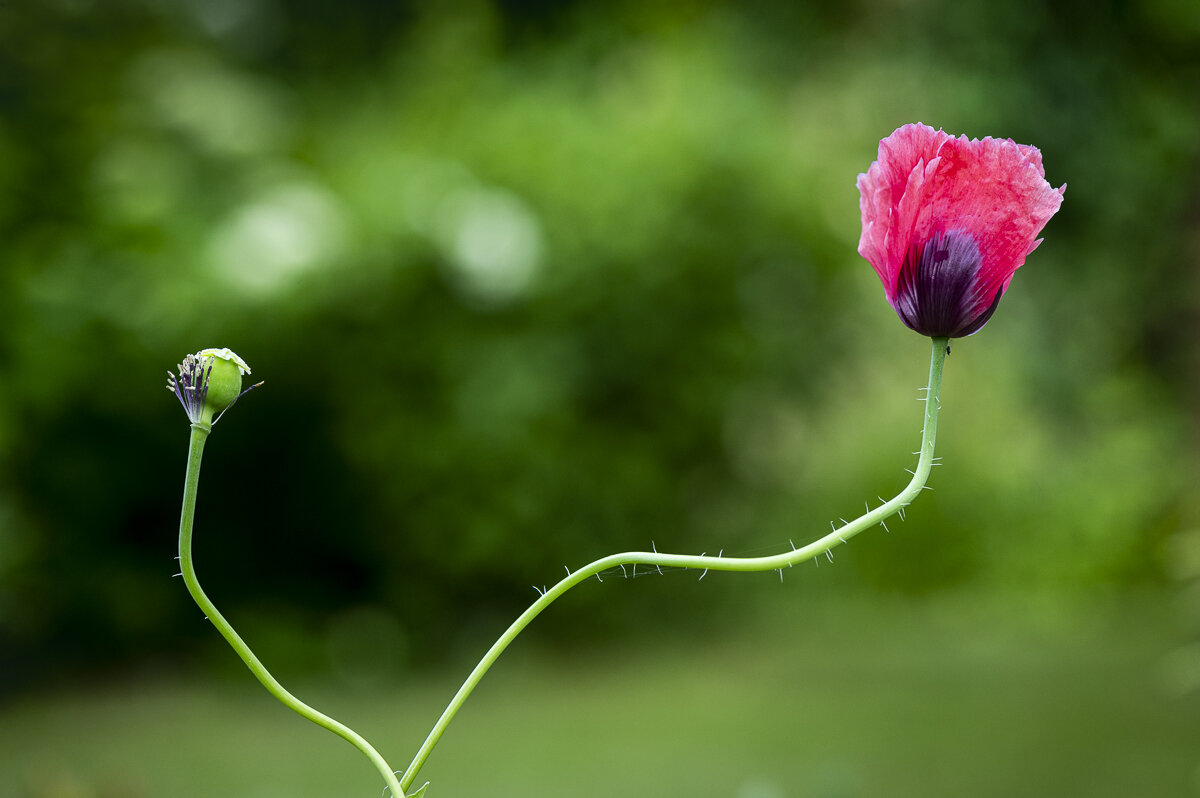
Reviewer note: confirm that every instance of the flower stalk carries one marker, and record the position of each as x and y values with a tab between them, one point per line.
193	394
840	535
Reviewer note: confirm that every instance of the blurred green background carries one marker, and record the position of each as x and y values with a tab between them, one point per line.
530	283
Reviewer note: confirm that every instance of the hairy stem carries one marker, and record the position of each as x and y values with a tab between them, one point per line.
771	563
191	482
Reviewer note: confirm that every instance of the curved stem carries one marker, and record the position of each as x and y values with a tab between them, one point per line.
200	432
771	563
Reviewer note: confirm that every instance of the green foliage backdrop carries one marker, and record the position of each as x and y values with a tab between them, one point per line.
530	283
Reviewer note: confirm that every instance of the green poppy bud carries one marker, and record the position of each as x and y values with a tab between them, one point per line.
208	384
224	377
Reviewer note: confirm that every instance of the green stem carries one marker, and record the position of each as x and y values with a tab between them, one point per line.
191	482
771	563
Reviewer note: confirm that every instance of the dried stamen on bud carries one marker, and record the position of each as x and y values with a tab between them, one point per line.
191	386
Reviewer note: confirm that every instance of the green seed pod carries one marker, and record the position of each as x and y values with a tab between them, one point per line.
225	379
209	382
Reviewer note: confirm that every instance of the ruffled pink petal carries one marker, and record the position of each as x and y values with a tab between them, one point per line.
892	193
926	182
996	191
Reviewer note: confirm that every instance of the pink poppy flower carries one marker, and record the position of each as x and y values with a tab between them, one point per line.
946	222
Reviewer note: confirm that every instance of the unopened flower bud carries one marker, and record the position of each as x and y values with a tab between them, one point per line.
208	384
224	377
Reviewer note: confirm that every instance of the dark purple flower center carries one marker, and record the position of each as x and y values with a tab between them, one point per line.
938	290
